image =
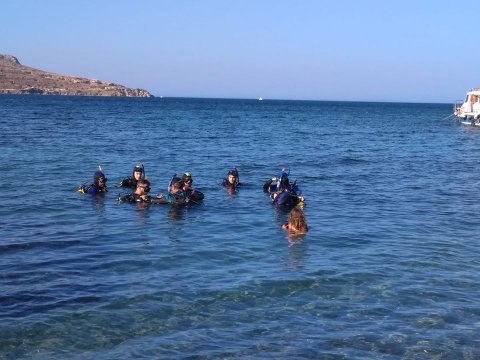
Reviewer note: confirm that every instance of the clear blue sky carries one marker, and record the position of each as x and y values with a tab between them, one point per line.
370	50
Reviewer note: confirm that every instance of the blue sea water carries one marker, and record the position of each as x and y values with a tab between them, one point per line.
388	270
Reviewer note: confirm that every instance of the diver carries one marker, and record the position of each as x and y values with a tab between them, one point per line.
176	194
138	173
99	185
140	195
187	181
232	180
282	192
192	194
277	183
286	198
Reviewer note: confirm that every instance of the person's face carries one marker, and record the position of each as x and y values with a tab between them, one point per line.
232	179
101	182
188	184
141	190
137	175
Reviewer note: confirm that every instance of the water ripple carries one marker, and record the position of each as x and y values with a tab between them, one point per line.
387	270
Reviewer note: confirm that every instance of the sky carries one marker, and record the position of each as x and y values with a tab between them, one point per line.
349	50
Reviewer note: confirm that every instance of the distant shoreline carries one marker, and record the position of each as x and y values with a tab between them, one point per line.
17	79
169	98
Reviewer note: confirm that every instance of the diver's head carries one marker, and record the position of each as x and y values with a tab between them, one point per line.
99	179
177	185
138	172
187	180
143	187
232	176
283	179
284	183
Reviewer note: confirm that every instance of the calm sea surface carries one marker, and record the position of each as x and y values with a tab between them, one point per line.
389	270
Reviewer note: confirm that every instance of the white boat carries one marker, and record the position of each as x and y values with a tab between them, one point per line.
468	111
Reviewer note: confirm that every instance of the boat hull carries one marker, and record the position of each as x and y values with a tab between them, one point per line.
470	122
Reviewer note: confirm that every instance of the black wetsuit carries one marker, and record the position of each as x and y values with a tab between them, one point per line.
128	182
92	189
134	198
179	198
194	195
229	185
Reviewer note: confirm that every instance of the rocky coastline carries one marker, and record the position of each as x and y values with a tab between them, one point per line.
16	78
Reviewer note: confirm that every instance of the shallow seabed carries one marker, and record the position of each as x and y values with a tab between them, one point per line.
389	269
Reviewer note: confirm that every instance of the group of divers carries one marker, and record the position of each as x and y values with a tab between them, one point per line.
281	191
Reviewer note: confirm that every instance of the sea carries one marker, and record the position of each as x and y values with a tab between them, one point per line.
388	270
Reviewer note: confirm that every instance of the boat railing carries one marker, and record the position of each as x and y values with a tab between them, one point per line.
457	106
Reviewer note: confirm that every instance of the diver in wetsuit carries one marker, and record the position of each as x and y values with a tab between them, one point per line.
277	183
176	194
138	173
282	192
180	192
192	194
232	181
140	195
99	185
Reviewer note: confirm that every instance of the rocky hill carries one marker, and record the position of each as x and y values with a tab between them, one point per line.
18	79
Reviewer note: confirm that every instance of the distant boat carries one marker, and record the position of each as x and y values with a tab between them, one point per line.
468	111
260	99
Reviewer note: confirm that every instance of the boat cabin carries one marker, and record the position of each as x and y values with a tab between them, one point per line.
470	108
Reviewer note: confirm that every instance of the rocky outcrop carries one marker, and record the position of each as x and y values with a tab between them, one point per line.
18	79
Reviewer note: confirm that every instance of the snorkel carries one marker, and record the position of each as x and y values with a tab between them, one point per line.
169	187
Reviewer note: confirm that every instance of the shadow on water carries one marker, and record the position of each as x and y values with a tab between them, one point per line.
142	213
98	203
232	192
297	251
280	214
176	215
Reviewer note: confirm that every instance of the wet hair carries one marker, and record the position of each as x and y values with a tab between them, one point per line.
177	183
296	221
284	183
99	175
144	183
